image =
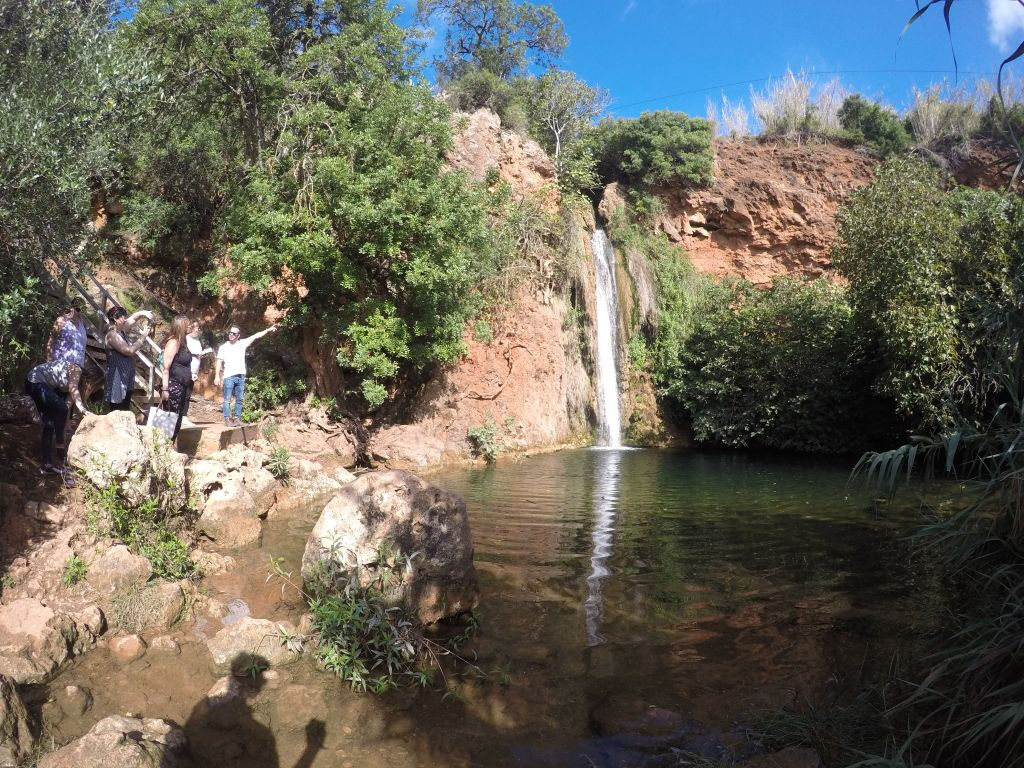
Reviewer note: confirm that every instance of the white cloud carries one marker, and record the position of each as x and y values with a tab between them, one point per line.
1005	23
629	7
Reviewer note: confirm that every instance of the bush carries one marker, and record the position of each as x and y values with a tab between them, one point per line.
145	529
269	389
359	636
874	125
279	464
1002	123
484	441
922	263
481	88
75	569
772	368
655	149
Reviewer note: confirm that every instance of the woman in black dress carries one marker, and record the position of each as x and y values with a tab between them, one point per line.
177	370
120	382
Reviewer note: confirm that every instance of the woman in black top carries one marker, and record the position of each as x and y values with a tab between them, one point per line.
177	370
120	382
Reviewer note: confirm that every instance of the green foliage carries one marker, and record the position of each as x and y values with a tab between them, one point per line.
655	149
872	124
145	528
1003	123
269	389
68	98
481	88
279	464
485	441
921	262
358	634
75	569
774	368
482	332
562	108
269	430
639	354
498	36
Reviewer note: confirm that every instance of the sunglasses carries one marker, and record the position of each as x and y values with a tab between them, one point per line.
234	333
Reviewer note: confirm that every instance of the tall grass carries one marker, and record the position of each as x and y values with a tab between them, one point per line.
731	119
793	108
968	710
942	112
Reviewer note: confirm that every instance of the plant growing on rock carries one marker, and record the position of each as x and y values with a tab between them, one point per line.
279	463
75	569
358	636
484	440
145	528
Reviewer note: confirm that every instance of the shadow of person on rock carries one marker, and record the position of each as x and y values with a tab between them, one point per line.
227	730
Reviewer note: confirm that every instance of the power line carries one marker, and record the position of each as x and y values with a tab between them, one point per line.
810	74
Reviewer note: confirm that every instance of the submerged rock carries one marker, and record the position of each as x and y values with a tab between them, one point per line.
124	742
398	512
250	641
128	648
16	739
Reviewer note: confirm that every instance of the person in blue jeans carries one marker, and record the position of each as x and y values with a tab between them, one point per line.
48	384
231	369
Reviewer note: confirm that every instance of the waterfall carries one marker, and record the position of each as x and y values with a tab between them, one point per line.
609	422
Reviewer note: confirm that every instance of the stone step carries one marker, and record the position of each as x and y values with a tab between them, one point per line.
202	440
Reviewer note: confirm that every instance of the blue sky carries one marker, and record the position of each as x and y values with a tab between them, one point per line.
647	51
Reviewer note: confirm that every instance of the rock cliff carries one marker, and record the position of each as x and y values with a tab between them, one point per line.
771	210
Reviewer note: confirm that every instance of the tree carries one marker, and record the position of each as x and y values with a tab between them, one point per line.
68	100
500	36
565	106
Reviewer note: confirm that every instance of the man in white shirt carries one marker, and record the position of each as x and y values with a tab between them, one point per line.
231	369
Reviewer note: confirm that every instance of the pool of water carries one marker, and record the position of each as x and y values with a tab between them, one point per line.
630	600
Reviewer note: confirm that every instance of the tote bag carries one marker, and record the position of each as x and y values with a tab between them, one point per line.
162	421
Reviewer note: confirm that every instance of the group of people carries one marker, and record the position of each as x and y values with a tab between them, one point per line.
54	385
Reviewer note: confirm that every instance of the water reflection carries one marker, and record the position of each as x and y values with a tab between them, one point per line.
606	497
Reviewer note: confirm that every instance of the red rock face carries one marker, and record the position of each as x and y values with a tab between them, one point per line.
771	210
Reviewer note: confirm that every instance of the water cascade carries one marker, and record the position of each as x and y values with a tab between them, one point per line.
609	421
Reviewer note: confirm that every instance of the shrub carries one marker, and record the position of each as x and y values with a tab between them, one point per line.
279	464
655	149
482	332
790	108
359	636
484	441
269	389
773	368
481	88
874	125
144	529
922	263
731	119
75	569
1002	123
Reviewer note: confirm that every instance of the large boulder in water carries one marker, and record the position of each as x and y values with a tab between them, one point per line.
400	513
112	450
124	742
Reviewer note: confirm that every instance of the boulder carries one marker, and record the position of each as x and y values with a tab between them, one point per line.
35	641
262	486
112	450
118	568
166	644
398	512
304	494
123	742
128	648
229	516
247	640
16	739
205	475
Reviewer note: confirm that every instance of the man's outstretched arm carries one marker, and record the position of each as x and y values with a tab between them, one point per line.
261	334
